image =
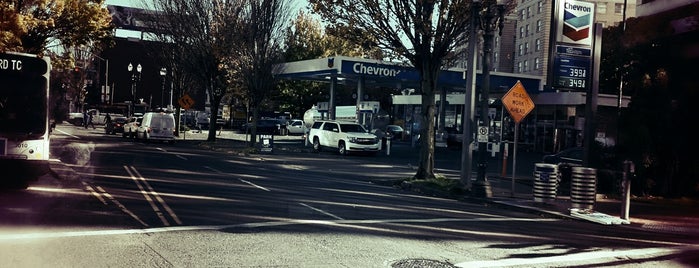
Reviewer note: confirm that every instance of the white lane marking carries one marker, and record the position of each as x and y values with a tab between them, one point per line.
122	207
181	157
66	133
584	257
138	179
213	169
158	198
255	185
246	225
147	197
99	192
241	180
322	211
94	193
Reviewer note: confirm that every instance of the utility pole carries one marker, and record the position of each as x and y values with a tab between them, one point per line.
490	19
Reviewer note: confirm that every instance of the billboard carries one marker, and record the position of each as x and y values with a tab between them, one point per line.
575	21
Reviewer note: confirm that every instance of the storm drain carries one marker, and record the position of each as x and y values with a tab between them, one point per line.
421	263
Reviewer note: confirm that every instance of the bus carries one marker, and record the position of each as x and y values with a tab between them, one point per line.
24	118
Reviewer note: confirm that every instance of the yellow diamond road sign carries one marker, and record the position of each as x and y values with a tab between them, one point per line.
186	102
517	102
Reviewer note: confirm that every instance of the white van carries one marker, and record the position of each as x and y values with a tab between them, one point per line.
157	126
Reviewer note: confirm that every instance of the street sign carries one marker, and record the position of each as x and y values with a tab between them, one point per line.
186	102
482	134
517	102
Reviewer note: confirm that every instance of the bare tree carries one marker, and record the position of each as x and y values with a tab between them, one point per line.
202	34
258	50
424	32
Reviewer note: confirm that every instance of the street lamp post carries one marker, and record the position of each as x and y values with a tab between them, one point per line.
163	72
489	18
135	77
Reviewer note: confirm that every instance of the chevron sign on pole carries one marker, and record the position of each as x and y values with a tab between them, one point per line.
575	20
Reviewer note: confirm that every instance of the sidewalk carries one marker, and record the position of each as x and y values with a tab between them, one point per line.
672	216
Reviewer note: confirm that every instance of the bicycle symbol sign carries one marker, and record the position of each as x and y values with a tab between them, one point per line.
482	134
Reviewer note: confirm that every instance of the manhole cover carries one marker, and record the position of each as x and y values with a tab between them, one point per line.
421	263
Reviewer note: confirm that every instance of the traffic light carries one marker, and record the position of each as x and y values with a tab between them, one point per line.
76	73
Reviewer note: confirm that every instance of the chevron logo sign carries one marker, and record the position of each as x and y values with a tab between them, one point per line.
577	18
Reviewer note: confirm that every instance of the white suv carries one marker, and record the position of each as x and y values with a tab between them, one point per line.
345	137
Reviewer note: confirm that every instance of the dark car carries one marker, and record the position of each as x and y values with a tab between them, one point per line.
264	126
565	160
117	125
571	157
395	131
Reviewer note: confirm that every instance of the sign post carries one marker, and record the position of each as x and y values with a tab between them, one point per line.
518	105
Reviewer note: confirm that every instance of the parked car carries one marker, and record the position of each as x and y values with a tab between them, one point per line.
565	160
159	126
131	126
455	137
344	137
296	126
571	157
117	125
264	126
76	119
395	131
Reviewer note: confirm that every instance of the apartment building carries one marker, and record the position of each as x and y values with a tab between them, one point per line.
533	30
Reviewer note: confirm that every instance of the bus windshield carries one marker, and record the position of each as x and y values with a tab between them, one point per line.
23	106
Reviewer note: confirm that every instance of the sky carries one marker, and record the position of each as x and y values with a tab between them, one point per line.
299	4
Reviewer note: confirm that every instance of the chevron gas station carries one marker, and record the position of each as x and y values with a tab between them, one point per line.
554	122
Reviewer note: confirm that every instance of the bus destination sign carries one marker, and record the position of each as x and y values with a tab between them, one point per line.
24	65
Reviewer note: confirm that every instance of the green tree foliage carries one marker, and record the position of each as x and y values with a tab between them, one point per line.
423	32
307	39
31	26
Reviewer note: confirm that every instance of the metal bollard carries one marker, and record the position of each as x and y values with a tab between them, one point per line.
628	168
388	145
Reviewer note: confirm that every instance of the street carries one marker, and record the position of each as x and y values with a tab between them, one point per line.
135	204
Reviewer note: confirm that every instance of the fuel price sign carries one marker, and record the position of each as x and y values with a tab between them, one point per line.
572	67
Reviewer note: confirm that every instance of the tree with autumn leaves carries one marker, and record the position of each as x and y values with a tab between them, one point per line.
57	28
32	26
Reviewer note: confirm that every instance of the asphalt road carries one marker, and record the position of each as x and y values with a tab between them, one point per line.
135	204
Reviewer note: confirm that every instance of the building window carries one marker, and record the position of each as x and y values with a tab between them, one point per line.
526	31
618	8
526	48
540	7
521	14
537	64
521	32
601	8
521	49
529	12
539	26
538	45
526	65
519	67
